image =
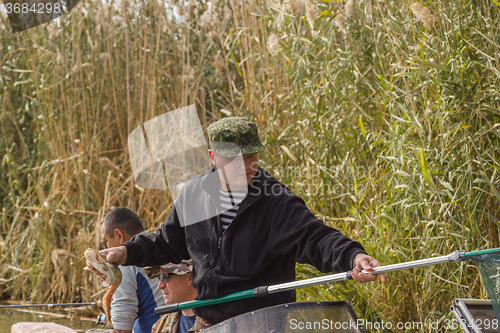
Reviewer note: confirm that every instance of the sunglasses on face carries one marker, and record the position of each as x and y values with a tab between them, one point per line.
163	277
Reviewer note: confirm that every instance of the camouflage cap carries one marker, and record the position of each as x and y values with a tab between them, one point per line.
231	135
184	267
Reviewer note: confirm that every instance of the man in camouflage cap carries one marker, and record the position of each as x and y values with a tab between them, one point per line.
234	136
235	145
258	234
175	284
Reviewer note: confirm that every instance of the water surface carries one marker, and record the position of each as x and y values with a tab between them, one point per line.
9	317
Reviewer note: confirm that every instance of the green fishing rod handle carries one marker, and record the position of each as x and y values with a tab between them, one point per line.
231	297
169	308
482	252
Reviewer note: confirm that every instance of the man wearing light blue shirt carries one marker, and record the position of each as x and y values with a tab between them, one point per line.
137	296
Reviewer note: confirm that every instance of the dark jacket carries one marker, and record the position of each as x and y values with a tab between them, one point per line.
272	230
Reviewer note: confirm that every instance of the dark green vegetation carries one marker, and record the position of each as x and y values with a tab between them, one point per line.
389	130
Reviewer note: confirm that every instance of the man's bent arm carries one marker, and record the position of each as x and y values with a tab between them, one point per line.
166	245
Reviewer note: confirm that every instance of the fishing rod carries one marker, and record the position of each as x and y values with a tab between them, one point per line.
47	305
456	256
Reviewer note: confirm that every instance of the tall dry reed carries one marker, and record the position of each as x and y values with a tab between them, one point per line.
383	119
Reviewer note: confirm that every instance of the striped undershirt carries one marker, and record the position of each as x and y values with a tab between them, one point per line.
229	204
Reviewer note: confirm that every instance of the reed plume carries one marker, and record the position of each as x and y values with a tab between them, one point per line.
424	15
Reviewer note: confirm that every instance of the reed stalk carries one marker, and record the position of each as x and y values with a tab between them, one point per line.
384	120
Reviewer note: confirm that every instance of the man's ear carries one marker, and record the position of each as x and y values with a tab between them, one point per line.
189	279
119	233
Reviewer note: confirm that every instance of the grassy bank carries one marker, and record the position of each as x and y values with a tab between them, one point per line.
385	123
